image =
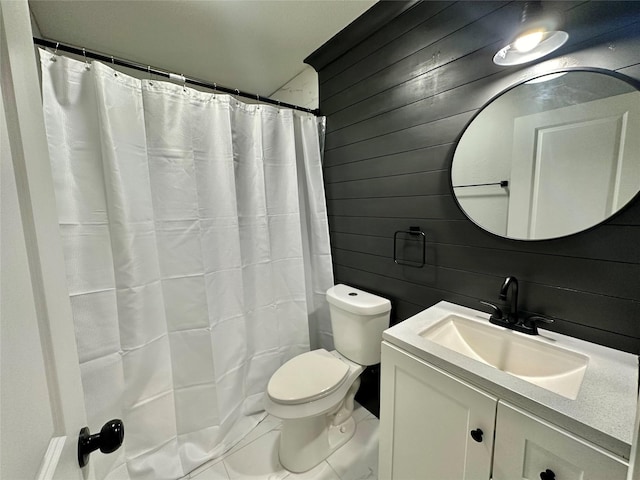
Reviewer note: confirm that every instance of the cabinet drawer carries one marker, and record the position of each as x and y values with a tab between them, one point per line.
525	446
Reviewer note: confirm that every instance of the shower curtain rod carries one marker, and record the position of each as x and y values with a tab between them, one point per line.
154	71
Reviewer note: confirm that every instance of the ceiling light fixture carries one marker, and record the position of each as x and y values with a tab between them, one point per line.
535	37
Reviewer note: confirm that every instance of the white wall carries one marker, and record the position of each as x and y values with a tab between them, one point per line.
301	90
484	156
34	26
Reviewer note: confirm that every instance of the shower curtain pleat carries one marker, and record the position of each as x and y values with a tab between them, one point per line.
197	253
315	225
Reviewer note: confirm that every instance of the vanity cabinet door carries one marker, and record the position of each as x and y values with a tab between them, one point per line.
529	448
426	422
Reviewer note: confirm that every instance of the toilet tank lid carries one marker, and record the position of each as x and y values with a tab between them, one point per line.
357	301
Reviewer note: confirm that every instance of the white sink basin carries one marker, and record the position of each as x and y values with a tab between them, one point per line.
529	358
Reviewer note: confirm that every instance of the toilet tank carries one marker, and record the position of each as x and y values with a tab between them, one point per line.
358	319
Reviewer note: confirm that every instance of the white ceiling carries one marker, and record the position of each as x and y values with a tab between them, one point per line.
253	45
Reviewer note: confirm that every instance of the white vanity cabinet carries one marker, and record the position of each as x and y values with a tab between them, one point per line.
426	420
427	416
526	446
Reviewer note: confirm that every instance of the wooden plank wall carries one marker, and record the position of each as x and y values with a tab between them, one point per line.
397	100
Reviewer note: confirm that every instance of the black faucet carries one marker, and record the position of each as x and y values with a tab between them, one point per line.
512	319
512	314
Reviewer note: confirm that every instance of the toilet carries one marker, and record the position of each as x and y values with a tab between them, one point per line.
314	392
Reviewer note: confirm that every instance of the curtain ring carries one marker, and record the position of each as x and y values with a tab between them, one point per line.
86	62
55	53
150	76
184	83
113	64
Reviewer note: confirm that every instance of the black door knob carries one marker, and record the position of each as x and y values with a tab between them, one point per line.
476	435
108	440
547	475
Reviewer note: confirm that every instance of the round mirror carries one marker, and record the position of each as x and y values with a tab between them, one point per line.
552	156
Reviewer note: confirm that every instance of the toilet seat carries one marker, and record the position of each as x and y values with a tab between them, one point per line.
307	377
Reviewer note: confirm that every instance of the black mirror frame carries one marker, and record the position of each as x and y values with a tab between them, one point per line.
630	81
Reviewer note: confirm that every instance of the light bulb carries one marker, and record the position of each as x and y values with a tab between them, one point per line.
528	41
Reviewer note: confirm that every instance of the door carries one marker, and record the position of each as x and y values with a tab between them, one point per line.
432	425
42	407
529	448
573	166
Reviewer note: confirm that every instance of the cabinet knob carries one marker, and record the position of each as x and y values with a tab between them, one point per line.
108	440
477	436
547	475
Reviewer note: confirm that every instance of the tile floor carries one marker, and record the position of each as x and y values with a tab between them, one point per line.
256	456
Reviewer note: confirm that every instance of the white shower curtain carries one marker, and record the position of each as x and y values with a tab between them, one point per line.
197	253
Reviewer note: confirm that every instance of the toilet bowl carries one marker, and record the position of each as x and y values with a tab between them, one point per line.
316	416
314	392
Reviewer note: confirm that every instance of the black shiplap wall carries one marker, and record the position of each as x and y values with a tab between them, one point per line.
396	101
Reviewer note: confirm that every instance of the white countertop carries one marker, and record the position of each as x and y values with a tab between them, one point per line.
604	410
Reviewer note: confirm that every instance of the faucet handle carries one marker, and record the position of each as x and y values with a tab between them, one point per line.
536	319
497	313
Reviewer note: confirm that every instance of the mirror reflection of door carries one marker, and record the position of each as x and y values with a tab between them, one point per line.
573	166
